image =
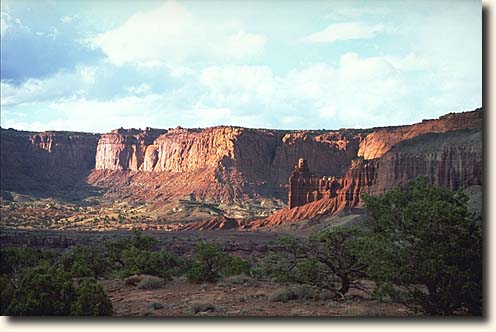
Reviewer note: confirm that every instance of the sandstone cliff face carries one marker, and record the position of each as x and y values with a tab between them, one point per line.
381	140
452	159
30	160
124	149
234	163
328	153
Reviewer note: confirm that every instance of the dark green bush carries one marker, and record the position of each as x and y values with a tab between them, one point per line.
143	242
91	300
424	249
209	260
7	291
275	267
15	260
81	270
157	263
236	265
43	291
87	261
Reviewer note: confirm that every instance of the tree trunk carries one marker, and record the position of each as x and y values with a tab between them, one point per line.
345	284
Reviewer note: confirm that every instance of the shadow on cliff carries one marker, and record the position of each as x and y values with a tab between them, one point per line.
70	189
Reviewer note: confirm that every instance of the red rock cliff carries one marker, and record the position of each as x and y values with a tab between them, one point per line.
451	159
124	149
244	162
30	160
381	140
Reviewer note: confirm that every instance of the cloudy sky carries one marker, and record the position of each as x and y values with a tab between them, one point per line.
99	65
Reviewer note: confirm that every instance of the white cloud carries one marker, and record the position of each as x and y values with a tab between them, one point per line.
4	25
344	31
57	86
243	88
355	92
205	117
88	74
172	34
140	89
66	19
243	44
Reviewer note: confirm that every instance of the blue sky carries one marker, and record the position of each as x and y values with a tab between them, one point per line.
99	65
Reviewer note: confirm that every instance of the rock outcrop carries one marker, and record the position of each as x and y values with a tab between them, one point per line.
305	187
125	149
381	140
451	159
33	161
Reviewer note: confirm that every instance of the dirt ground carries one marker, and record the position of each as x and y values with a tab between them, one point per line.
181	298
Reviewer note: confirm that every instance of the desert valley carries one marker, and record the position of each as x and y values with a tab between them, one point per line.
244	192
224	177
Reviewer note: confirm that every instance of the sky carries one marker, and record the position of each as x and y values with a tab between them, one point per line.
98	65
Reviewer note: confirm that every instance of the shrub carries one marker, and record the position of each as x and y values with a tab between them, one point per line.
43	291
7	291
327	258
283	295
308	271
91	257
241	279
91	300
208	262
156	305
300	292
151	282
201	307
276	267
236	265
335	250
81	270
425	249
15	260
148	262
143	242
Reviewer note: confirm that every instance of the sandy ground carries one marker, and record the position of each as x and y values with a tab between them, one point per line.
180	298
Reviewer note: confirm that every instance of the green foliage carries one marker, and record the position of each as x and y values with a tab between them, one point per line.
81	270
91	300
336	250
143	242
308	271
7	290
43	291
88	261
157	263
326	258
276	267
209	260
425	249
236	266
15	260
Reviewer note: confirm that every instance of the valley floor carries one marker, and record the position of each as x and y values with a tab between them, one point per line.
225	298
